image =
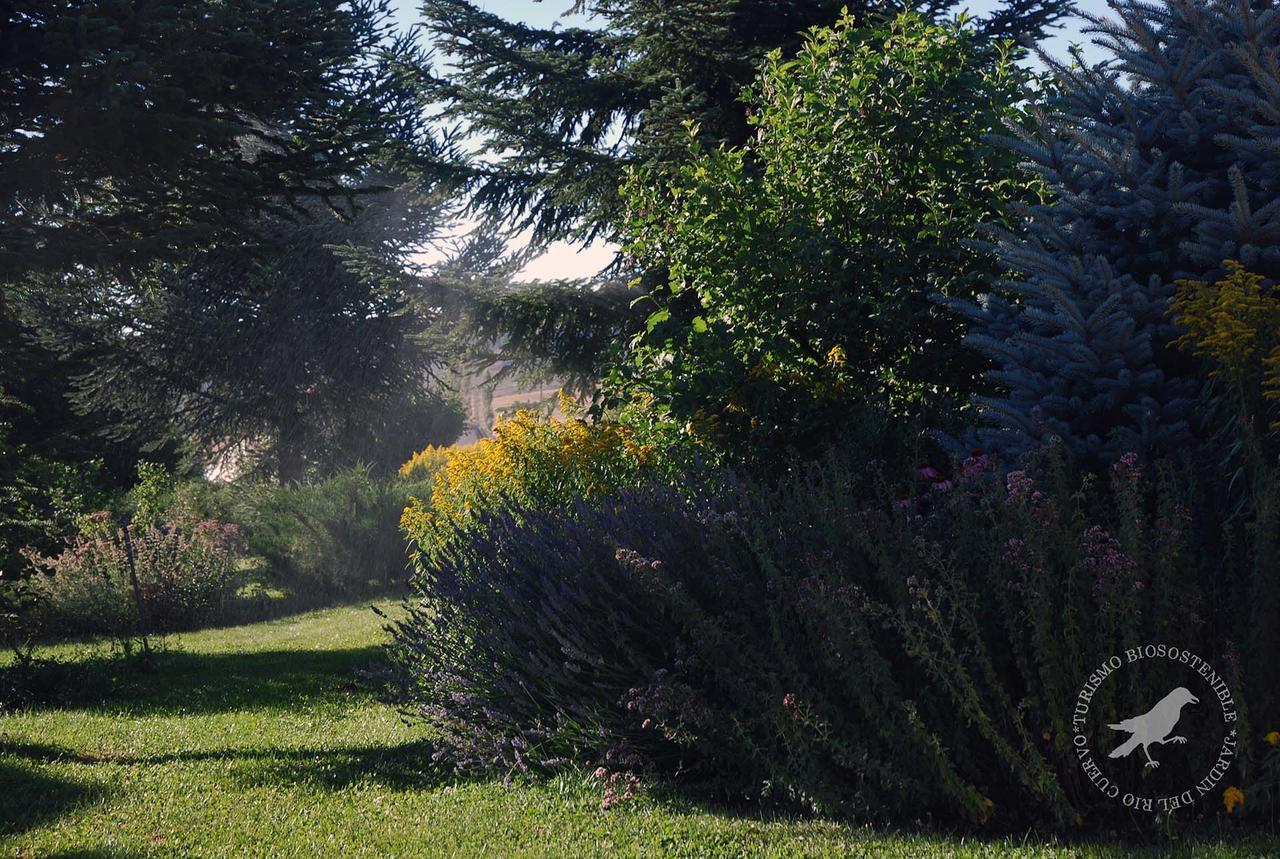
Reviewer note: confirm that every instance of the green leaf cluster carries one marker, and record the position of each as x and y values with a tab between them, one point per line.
802	270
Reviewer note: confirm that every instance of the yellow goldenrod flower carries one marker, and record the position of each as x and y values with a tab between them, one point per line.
1232	797
425	462
531	459
1233	324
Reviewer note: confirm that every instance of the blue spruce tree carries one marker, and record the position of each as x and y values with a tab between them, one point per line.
1162	162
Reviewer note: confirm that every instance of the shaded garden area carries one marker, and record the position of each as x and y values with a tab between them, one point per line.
913	483
259	740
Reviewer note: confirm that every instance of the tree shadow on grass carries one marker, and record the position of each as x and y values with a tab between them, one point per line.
406	766
199	683
30	796
1189	841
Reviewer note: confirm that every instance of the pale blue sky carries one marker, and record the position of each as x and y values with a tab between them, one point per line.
564	260
542	13
539	14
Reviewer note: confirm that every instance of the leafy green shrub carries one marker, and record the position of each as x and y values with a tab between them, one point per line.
305	544
801	270
39	498
336	537
152	496
185	574
829	645
19	625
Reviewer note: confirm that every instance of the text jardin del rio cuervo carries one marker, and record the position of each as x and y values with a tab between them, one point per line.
1155	727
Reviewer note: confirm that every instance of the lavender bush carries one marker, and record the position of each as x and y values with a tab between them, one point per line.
833	643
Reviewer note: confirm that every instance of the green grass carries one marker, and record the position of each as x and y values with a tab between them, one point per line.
254	741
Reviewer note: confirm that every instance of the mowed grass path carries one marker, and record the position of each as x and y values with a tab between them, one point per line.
255	741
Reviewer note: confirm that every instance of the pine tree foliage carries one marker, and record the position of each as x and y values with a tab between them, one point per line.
559	328
563	111
308	348
129	129
538	331
1163	163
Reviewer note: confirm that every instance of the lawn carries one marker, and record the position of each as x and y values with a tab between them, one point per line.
256	740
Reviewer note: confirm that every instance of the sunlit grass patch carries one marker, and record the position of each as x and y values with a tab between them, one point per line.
255	740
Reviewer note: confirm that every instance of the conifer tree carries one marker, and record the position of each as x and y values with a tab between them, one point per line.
304	350
131	130
563	111
1162	162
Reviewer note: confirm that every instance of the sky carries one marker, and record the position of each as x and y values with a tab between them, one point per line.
563	260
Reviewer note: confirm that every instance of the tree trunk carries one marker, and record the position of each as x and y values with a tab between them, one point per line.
291	466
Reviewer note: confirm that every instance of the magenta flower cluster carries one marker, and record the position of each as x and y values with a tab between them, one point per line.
1103	558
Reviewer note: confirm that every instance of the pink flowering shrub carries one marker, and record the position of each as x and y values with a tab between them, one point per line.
835	643
184	569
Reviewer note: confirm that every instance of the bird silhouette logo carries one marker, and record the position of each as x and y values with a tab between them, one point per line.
1154	726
